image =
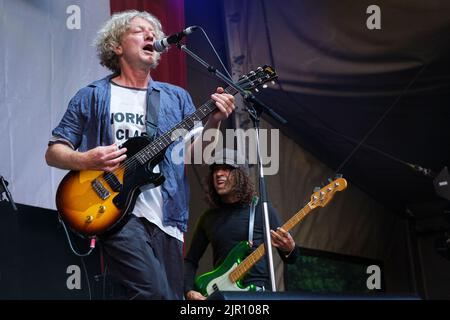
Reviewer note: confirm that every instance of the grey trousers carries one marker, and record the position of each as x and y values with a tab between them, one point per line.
145	260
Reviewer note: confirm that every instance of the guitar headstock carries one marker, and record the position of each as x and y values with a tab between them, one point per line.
257	78
324	195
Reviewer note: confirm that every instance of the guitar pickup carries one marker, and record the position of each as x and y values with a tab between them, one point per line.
101	191
112	181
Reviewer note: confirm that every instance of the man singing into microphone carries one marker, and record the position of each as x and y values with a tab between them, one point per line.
145	255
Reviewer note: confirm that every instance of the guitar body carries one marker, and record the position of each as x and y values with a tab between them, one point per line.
218	279
97	202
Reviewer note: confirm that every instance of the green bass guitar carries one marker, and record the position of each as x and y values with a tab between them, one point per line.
228	275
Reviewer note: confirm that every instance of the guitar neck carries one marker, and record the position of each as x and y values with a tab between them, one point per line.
180	130
242	269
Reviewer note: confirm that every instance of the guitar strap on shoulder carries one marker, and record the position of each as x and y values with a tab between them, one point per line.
151	121
251	220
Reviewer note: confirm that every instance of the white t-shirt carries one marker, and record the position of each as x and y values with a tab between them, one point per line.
128	107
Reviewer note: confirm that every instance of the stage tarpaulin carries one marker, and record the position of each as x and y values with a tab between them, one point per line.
45	57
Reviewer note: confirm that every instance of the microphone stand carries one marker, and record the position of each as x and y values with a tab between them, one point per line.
254	108
4	188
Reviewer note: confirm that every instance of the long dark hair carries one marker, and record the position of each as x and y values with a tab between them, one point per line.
243	188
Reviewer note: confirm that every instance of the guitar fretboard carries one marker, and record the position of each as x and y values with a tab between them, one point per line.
155	147
242	269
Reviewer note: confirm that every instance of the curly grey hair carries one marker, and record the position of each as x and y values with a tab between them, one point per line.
110	35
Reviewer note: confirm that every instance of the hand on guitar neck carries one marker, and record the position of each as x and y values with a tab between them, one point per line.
282	240
224	103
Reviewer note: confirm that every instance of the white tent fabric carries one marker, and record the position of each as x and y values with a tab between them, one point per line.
45	57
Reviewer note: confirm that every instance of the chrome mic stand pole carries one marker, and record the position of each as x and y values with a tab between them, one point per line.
254	108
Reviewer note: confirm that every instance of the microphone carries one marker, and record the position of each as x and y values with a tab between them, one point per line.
162	44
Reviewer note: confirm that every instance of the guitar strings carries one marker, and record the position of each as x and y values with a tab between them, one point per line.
166	137
132	161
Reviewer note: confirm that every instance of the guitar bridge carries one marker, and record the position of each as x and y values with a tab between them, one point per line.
101	191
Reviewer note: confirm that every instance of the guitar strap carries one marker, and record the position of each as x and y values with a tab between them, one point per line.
151	121
251	220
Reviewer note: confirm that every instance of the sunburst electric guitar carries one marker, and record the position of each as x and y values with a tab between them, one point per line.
95	203
228	276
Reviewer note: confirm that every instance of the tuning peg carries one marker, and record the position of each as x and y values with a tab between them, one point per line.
338	176
316	189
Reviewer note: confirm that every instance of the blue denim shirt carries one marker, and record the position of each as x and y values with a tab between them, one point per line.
86	125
